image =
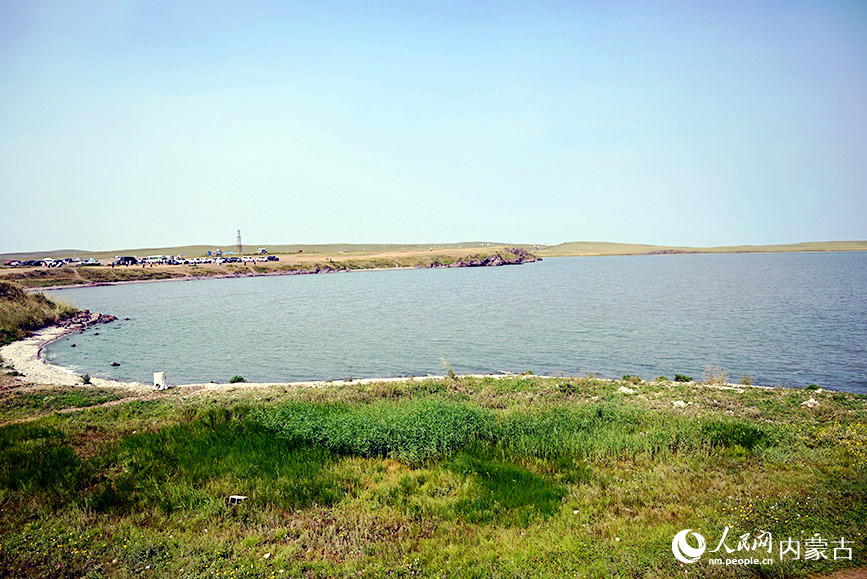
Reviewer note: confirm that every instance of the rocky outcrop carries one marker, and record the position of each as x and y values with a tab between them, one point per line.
84	319
510	256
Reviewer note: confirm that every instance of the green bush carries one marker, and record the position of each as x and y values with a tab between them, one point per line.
682	378
236	379
728	433
566	388
412	432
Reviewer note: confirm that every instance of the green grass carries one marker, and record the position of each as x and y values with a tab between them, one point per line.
504	492
410	431
16	404
194	467
523	476
22	313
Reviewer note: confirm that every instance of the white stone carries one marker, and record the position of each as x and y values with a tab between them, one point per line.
811	403
679	404
625	390
160	382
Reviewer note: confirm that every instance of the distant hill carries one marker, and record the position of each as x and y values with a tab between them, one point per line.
578	248
572	248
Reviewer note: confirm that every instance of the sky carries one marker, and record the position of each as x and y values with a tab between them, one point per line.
160	123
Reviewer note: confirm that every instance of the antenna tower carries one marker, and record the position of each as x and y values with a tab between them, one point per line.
240	247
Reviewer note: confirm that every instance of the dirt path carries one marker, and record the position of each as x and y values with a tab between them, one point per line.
183	391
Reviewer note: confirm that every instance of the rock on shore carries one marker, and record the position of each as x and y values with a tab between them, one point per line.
24	355
83	320
511	256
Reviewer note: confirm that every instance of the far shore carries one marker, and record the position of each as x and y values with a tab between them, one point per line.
201	277
38	278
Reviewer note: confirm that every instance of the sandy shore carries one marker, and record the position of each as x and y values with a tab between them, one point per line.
26	357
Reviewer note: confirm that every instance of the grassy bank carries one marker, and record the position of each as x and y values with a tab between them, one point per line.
39	277
517	477
21	313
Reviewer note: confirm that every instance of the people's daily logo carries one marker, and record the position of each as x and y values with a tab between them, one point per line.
758	549
683	551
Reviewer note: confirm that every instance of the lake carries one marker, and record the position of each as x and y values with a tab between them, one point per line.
789	319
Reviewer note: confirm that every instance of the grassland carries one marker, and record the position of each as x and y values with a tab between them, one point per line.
341	251
321	250
466	477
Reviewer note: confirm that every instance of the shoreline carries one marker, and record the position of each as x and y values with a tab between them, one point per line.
219	276
25	356
518	257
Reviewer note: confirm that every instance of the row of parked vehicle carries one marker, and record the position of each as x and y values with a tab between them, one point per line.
48	262
130	260
181	260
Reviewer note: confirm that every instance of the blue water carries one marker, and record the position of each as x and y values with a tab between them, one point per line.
784	319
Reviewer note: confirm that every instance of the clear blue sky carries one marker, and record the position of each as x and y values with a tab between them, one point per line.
158	123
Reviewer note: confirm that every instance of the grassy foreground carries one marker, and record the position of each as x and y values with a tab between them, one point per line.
467	477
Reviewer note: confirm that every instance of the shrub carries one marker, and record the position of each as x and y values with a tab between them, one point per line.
236	379
85	378
715	375
566	387
727	433
411	432
747	380
450	372
682	378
